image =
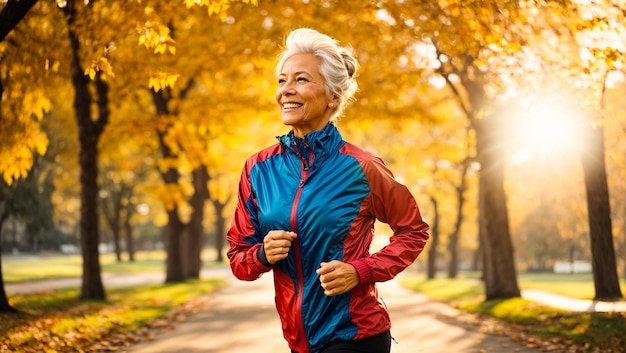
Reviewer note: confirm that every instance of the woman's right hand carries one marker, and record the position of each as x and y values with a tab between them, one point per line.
276	245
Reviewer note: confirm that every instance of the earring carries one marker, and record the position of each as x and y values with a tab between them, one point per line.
331	105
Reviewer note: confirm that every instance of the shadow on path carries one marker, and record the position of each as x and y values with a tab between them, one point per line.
241	317
422	325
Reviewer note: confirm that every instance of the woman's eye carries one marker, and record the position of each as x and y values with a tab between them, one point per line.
281	81
302	79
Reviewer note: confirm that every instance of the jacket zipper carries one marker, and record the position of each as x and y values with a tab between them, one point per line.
294	226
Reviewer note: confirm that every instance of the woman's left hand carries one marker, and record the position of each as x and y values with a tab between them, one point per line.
337	277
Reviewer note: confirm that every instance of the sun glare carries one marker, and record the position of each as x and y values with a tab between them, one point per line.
546	131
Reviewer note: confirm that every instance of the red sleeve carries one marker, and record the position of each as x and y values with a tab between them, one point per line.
391	202
242	236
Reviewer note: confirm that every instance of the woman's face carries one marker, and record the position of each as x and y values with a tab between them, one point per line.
301	95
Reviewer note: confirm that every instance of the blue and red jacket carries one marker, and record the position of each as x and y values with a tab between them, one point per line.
330	193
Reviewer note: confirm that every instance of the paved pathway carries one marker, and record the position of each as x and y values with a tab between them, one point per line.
573	304
242	318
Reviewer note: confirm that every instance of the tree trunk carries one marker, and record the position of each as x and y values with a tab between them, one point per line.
478	259
89	131
130	245
453	265
116	243
220	228
92	287
495	237
431	268
128	230
5	307
604	265
572	258
195	234
111	207
175	267
453	242
12	14
499	272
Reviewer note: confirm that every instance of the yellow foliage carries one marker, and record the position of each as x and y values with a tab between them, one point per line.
17	159
100	65
153	35
35	104
172	196
217	7
21	134
54	67
191	3
160	80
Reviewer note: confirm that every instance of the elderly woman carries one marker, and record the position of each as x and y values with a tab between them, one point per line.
307	208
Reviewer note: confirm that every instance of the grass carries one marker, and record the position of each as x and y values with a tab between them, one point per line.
56	321
589	332
31	268
577	285
20	269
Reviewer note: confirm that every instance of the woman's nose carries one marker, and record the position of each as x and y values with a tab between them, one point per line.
287	88
286	93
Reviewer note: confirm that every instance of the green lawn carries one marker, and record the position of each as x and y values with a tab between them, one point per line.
579	285
55	321
528	322
28	268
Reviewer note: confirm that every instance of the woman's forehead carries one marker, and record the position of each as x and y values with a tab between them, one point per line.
301	63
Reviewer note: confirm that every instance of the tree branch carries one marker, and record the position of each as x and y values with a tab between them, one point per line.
12	14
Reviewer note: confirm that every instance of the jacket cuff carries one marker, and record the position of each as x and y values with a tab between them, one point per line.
365	274
260	254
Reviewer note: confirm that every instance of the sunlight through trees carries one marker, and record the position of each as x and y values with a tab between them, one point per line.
506	115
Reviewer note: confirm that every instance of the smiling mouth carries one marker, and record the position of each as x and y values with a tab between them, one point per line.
291	105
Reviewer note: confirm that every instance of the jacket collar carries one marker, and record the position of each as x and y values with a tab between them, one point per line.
322	142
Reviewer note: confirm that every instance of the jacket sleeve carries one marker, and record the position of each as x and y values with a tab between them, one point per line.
243	236
391	202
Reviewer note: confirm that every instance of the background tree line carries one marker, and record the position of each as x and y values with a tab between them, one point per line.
504	118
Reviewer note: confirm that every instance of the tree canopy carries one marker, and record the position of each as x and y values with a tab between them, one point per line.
469	103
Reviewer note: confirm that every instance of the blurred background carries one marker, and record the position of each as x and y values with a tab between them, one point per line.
124	126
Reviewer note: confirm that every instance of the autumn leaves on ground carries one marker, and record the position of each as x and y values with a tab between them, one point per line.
55	322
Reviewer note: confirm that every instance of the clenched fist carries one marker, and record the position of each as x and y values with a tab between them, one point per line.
276	245
337	277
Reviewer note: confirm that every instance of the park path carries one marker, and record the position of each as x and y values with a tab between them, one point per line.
241	317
